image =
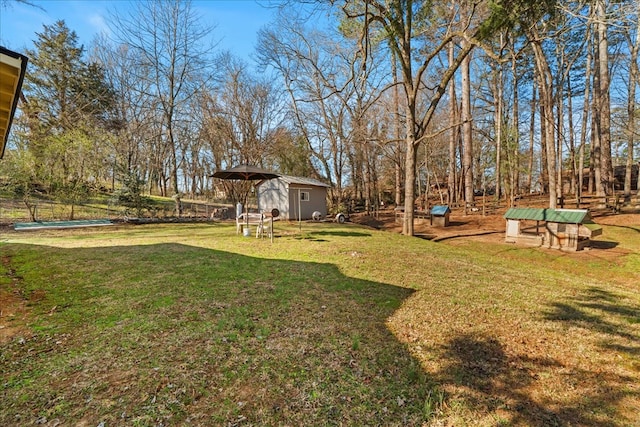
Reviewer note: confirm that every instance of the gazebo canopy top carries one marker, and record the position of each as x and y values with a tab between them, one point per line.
245	173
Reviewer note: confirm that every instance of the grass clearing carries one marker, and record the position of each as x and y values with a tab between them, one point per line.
337	324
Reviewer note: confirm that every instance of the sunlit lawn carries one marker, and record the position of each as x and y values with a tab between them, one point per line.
329	324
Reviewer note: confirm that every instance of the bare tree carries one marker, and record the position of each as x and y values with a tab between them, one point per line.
132	118
412	27
330	87
174	54
467	136
602	103
6	4
634	80
454	135
242	115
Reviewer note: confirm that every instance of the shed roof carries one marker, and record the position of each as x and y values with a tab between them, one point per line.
440	210
593	227
564	216
297	180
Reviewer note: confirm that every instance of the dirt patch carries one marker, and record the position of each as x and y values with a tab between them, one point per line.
475	225
620	220
13	305
489	227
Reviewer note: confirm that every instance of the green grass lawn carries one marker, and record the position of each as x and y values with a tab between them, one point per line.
333	325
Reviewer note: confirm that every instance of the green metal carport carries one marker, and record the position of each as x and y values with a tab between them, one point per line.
566	229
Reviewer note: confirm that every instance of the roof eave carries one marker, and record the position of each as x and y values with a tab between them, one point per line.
12	65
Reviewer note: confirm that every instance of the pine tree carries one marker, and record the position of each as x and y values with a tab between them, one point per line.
67	103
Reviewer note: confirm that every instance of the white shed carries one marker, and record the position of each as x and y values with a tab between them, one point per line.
295	197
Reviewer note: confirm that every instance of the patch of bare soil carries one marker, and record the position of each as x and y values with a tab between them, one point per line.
485	227
13	306
621	220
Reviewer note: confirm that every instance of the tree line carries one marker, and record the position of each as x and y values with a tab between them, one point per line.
389	102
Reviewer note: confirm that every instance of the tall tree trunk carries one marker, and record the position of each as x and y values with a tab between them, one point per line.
411	120
453	137
544	176
546	101
174	171
631	108
559	139
498	125
604	98
460	165
515	185
596	126
410	177
398	132
368	183
585	122
467	140
572	144
532	123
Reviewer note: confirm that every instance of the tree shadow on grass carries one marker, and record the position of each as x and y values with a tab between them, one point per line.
316	236
169	333
341	233
494	382
604	312
507	383
311	235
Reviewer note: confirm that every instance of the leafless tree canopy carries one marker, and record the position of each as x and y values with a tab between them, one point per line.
407	103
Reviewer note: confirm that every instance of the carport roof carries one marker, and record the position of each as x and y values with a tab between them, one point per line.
564	216
12	69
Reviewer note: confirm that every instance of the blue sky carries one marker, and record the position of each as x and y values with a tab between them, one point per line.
237	21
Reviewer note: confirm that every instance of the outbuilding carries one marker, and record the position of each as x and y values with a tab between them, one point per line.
566	229
294	197
440	216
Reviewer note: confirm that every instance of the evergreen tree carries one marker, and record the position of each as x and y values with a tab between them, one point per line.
66	106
